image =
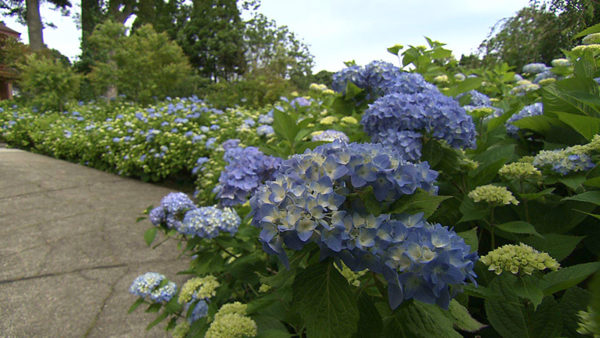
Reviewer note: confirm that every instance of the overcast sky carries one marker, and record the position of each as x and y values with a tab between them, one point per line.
343	30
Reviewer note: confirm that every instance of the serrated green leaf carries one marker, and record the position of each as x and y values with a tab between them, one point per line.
587	126
135	305
465	86
302	133
154	307
470	237
565	278
526	287
588	197
416	319
536	195
573	181
284	126
574	300
505	314
150	235
590	30
518	227
462	318
472	211
420	201
369	322
325	302
546	321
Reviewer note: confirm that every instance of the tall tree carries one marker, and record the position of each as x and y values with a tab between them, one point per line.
28	12
212	37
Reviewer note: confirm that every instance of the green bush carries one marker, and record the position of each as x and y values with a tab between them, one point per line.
47	83
143	66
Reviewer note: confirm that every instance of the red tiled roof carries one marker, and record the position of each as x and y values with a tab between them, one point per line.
7	31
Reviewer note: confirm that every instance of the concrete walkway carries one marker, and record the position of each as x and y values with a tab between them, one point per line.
70	248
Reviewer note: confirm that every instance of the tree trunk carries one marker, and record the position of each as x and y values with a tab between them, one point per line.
34	25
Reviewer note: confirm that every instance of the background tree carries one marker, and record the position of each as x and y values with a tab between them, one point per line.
28	12
212	38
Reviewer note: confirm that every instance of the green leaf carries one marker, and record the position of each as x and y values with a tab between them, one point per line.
588	197
272	333
556	245
369	322
481	292
546	321
135	305
284	126
587	126
156	321
574	300
590	30
472	211
518	227
565	278
573	181
420	201
470	237
302	133
416	319
149	235
324	300
352	90
526	287
155	307
505	314
593	182
395	49
465	86
462	318
536	195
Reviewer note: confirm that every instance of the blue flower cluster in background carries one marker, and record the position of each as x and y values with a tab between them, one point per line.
330	135
148	285
429	113
208	222
247	168
380	78
312	198
530	110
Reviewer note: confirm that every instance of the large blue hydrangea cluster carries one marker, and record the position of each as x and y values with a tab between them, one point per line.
531	110
247	168
171	210
380	78
148	285
563	162
208	222
430	113
313	199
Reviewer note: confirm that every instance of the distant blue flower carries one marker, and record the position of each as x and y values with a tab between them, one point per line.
352	74
265	119
210	143
265	130
535	68
208	222
330	135
144	284
300	102
544	75
171	210
68	133
164	293
200	310
535	109
476	99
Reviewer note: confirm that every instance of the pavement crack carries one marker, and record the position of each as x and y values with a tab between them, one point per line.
111	292
55	274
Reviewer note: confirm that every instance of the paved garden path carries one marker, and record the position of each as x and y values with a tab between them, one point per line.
70	248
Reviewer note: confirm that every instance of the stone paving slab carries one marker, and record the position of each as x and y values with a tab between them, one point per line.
70	248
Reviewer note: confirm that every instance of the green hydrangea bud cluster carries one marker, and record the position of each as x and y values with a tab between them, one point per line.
200	287
591	39
578	51
181	330
493	194
547	81
231	322
517	259
587	324
264	288
481	112
562	62
520	171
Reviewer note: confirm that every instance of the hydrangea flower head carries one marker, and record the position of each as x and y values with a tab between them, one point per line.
208	222
430	112
231	322
181	329
164	293
518	259
329	136
530	110
588	324
352	74
247	169
148	285
171	210
535	68
591	39
520	171
493	194
562	62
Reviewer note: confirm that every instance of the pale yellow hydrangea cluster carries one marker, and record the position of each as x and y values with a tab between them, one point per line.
201	287
181	330
547	81
518	259
349	120
588	325
328	120
441	79
493	194
231	322
591	39
520	171
264	288
321	88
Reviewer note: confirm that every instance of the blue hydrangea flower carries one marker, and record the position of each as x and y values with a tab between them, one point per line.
477	99
208	222
563	161
200	310
535	68
144	284
300	102
164	293
408	143
265	130
531	110
429	112
312	199
544	75
352	74
330	135
171	210
247	169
